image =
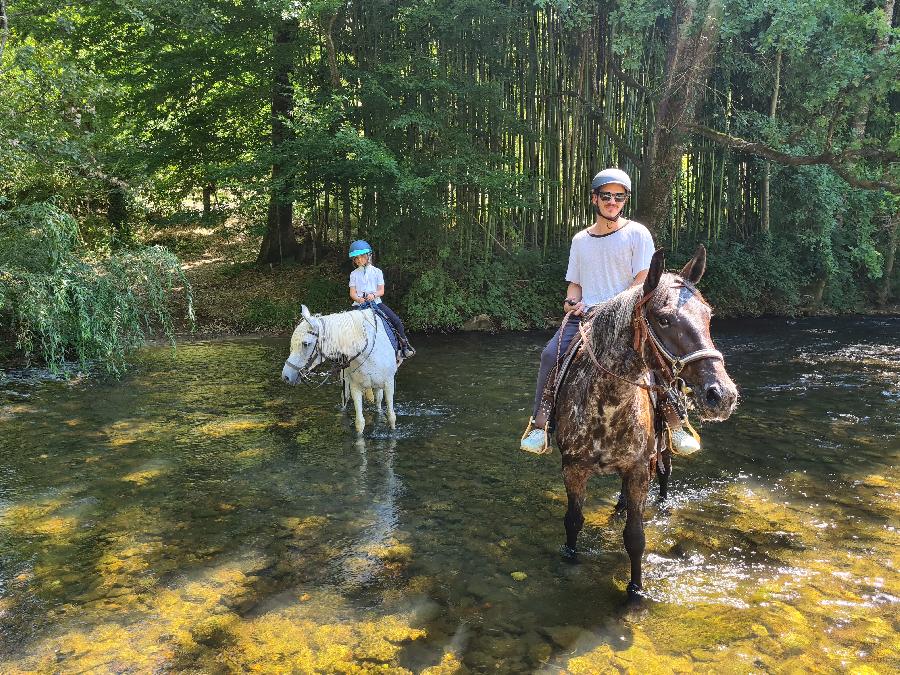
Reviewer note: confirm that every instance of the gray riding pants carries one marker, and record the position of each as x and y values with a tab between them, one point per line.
557	346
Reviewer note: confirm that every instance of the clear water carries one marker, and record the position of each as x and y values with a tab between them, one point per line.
200	516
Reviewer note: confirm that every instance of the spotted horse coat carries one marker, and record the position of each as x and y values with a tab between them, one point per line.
605	422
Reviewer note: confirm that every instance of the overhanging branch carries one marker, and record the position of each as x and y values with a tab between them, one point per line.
841	162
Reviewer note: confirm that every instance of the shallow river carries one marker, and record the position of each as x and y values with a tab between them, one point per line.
199	515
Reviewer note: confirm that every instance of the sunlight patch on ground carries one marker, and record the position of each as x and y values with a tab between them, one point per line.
196	623
234	425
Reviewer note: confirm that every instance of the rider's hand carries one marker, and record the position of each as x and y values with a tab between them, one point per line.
577	309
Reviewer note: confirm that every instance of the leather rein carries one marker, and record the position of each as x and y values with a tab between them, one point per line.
339	363
669	365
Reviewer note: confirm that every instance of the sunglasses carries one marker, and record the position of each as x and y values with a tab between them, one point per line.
608	196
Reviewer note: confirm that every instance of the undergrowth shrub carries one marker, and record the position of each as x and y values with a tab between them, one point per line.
62	302
517	292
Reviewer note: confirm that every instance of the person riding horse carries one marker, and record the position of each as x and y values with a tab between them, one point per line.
367	290
606	258
610	256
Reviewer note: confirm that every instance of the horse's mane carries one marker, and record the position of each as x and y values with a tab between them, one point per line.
342	334
611	327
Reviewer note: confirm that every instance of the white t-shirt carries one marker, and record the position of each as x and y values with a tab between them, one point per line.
366	279
605	265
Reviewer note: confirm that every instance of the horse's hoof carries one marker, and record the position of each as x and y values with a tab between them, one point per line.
568	553
634	591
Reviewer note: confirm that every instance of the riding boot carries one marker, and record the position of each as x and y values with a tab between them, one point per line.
406	349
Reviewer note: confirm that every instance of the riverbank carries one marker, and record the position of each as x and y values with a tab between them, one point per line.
236	297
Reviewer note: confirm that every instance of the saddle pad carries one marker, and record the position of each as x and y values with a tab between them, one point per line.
388	328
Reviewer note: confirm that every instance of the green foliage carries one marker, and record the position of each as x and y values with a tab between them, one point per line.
263	313
62	303
323	293
753	278
517	292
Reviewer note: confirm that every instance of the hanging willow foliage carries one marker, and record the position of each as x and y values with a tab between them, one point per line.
64	304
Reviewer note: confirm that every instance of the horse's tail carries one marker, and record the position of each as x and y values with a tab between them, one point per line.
370	395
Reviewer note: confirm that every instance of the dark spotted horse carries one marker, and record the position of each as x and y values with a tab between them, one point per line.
648	339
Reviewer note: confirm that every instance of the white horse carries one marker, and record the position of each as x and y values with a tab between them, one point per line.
356	341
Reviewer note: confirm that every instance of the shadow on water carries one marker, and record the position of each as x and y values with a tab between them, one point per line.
200	515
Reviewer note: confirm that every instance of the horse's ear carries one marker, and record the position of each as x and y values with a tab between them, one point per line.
654	274
696	266
304	312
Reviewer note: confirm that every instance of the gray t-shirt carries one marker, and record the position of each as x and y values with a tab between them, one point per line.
605	265
366	279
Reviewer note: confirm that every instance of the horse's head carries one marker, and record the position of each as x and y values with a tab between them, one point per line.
679	337
305	350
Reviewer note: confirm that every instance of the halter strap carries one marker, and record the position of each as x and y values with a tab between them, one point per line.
339	363
670	364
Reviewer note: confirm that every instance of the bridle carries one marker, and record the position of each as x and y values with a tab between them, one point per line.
338	363
669	365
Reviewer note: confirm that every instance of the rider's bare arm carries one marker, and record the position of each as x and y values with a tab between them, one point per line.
573	301
354	297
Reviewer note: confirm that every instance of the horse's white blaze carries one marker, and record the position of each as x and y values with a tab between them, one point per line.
349	334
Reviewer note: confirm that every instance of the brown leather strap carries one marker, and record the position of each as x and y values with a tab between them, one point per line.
586	341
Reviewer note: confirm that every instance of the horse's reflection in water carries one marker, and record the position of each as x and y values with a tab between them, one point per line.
374	540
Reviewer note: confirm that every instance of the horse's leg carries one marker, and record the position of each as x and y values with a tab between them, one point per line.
619	508
379	395
635	484
345	387
389	399
575	479
664	470
357	396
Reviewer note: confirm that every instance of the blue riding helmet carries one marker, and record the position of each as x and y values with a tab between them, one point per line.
608	176
359	248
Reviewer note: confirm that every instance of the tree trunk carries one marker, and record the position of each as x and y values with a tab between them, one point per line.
117	213
884	293
881	43
208	191
688	63
279	242
764	205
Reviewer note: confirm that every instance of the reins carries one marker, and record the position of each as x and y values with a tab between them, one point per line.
669	364
339	363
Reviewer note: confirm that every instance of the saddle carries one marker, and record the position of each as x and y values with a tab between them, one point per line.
388	328
559	373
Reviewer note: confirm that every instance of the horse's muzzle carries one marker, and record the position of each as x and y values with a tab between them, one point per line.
717	396
289	375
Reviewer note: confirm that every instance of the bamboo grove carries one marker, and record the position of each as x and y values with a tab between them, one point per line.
502	113
463	132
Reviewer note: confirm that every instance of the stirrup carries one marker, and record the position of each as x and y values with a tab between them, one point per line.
544	448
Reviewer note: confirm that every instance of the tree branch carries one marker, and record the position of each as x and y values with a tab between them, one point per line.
841	162
4	27
617	140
